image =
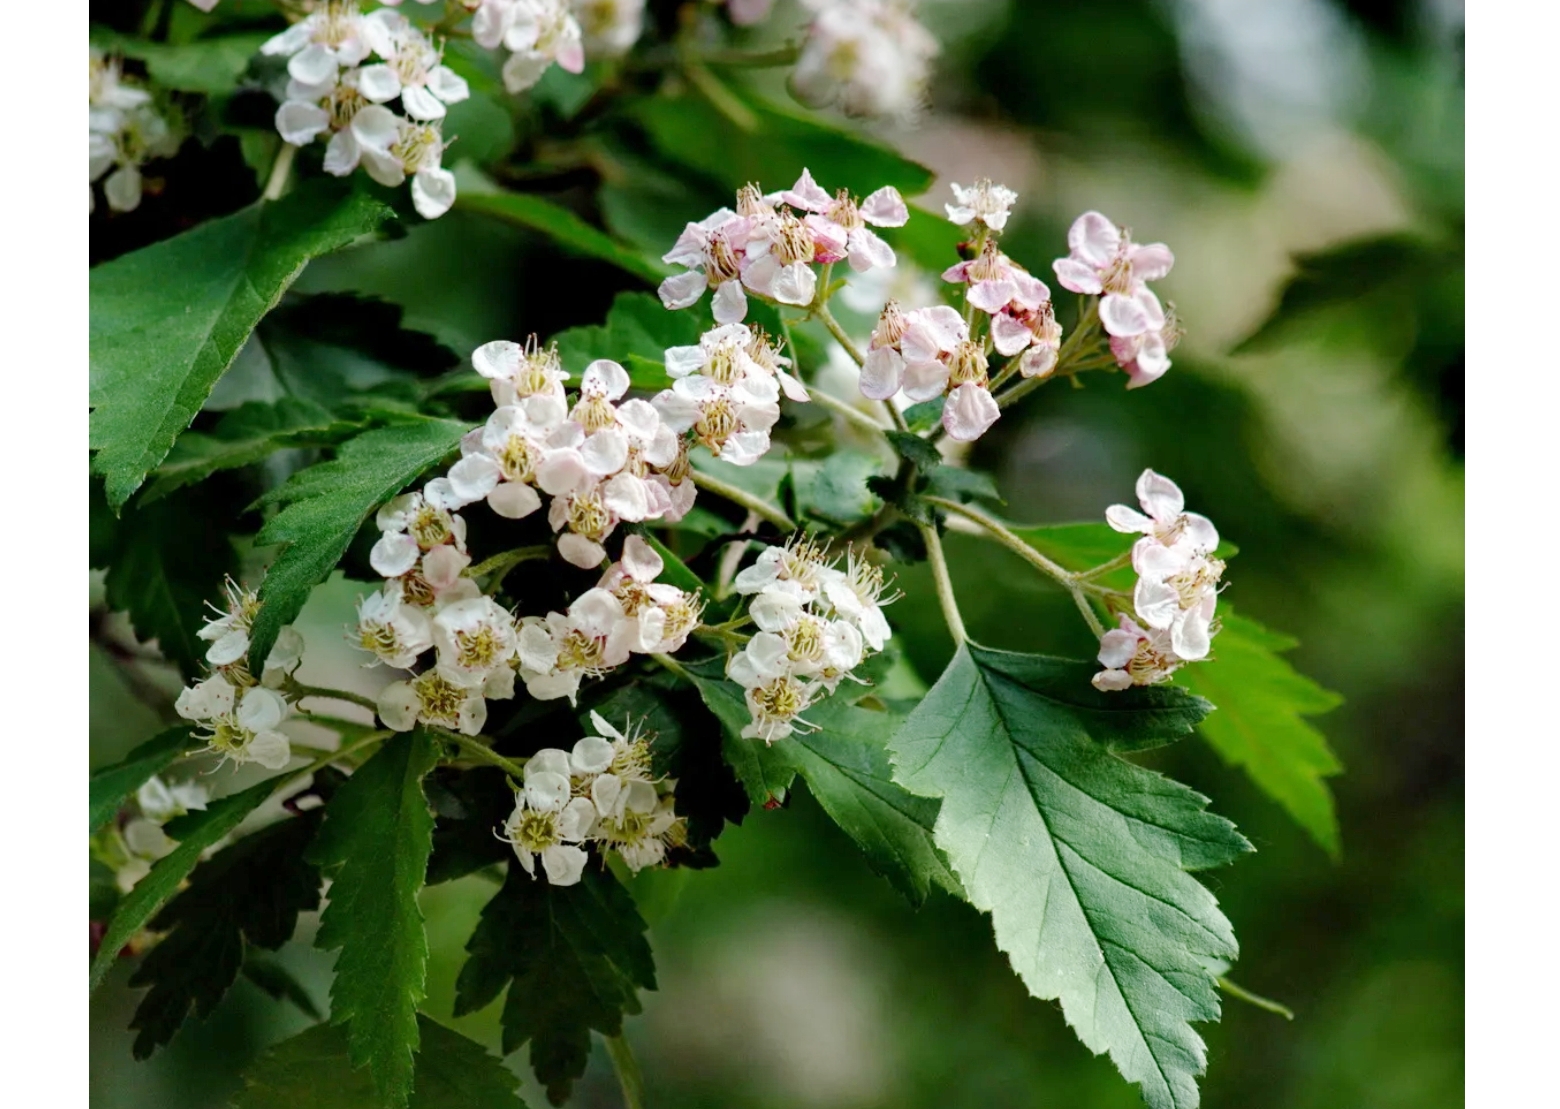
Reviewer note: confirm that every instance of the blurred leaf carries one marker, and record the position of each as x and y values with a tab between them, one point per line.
375	844
573	959
674	571
1262	702
483	126
325	505
958	484
167	320
1080	856
248	893
688	130
195	833
637	334
567	229
212	65
837	489
763	770
111	786
312	1070
246	435
280	984
930	240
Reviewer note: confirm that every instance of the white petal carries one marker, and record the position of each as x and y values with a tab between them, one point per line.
421	104
1160	497
885	208
730	303
299	122
564	864
433	192
514	500
394	554
1093	239
378	83
969	412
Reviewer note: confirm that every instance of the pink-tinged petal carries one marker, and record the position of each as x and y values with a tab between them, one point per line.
683	289
513	500
880	373
885	208
958	273
1157	562
1160	497
1111	681
795	284
806	194
679	412
1157	604
922	381
1128	520
1038	361
745	447
639	420
625	496
641	560
1189	635
442	567
606	378
867	251
394	554
792	387
300	123
759	274
1150	362
1125	350
605	452
1117	647
1150	261
473	478
729	303
1153	311
562	471
571	57
1200	534
1093	239
830	240
991	296
969	412
1031	291
1077	277
378	83
1009	335
579	551
1123	316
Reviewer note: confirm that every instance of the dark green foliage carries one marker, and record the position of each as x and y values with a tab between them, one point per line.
112	786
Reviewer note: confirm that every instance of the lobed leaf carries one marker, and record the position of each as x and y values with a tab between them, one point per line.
1080	856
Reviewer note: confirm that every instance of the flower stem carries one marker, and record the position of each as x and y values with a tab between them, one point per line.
671	664
821	311
945	597
760	507
503	562
850	412
1123	559
626	1067
300	691
281	170
483	752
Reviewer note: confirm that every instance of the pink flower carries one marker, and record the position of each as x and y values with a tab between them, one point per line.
910	351
1133	656
1104	260
840	223
1146	357
996	281
713	250
1167	522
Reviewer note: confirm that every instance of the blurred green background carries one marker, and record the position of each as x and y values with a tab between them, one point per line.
1329	450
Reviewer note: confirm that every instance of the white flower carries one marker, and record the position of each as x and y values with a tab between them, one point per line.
475	637
1103	260
393	149
433	697
394	632
1146	356
285	657
332	37
413	523
663	615
546	823
539	32
839	223
870	55
514	445
910	351
411	69
800	562
206	700
857	595
1134	656
1167	522
228	634
161	802
517	372
249	732
1177	589
713	250
610	27
559	650
983	201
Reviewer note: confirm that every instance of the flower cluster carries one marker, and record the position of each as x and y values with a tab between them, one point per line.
769	245
1176	591
1103	261
125	131
330	91
140	840
872	57
599	792
817	622
240	716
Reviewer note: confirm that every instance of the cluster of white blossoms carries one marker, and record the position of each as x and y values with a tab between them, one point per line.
125	132
334	90
817	622
600	792
141	839
1103	261
239	716
769	245
1176	591
871	57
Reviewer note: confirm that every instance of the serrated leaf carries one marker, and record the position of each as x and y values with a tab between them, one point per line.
915	449
926	415
248	434
111	786
195	832
764	772
573	959
167	320
312	1071
375	843
837	490
773	155
1259	726
327	503
1080	856
280	984
249	893
637	333
165	562
565	228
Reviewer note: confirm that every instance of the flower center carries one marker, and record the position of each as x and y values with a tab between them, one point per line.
378	637
441	698
418	147
517	459
844	212
720	260
793	240
535	831
431	527
579	651
722	367
594	412
779	700
967	364
478	650
762	351
1117	277
416	589
339	23
588	516
806	640
891	326
343	103
751	203
717	422
229	736
991	265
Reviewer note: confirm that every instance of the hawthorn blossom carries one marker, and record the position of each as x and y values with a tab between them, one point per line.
871	56
558	651
124	131
610	27
663	616
412	69
1164	519
982	202
162	802
839	223
393	149
857	595
333	37
1132	656
712	252
435	697
1177	590
726	397
475	637
517	372
996	282
537	32
910	351
546	823
1034	332
512	447
1146	356
391	630
238	723
1103	260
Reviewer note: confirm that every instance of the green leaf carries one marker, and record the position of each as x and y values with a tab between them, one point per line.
165	562
1080	856
375	843
674	570
566	228
1259	726
958	484
167	320
327	503
195	832
926	415
915	449
112	785
249	893
637	332
244	436
212	66
573	959
764	772
313	1071
837	490
280	984
688	130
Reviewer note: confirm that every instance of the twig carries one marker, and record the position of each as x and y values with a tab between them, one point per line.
630	1080
300	691
762	508
945	597
483	752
